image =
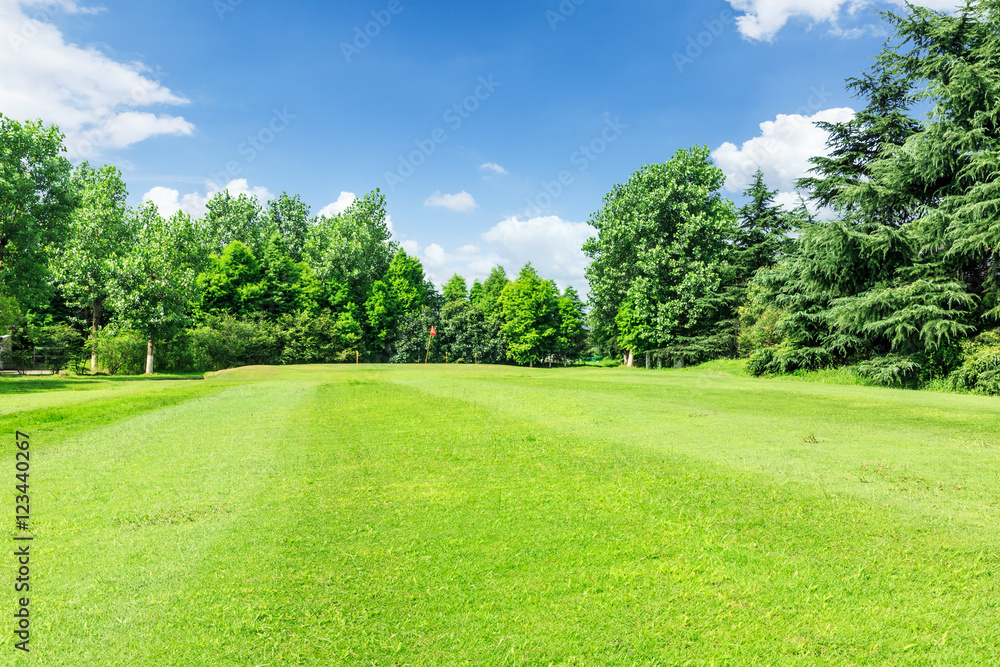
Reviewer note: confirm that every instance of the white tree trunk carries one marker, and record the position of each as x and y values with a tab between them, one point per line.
149	357
96	307
631	358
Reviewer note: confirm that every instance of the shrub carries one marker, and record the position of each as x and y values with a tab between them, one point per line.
121	351
890	371
786	358
224	341
980	369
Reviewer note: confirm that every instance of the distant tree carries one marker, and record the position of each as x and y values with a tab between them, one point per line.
486	300
153	283
238	218
289	217
234	283
530	307
662	252
403	291
454	289
352	249
572	339
36	200
99	232
763	234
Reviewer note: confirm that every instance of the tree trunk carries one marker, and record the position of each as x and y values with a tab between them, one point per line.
96	308
649	361
631	358
149	357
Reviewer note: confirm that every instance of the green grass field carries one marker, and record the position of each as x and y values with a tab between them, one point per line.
492	515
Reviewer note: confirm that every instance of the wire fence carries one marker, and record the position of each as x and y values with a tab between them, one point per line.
39	360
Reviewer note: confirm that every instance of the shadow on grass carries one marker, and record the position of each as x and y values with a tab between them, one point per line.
30	384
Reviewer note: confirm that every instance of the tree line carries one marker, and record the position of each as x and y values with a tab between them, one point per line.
248	282
901	282
899	279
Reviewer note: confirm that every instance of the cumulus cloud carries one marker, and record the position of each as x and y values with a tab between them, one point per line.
763	19
781	151
463	202
336	208
168	201
94	99
494	167
551	244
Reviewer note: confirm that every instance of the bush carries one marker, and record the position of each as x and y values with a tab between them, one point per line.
323	339
786	358
890	371
121	351
224	341
980	369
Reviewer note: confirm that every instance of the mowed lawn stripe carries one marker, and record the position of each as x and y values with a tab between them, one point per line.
126	511
391	516
937	454
416	529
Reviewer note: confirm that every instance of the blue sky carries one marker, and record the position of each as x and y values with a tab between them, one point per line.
467	116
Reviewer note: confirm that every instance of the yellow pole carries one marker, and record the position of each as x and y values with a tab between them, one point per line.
357	358
446	357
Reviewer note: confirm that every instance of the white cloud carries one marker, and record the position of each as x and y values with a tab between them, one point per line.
91	97
781	152
764	18
169	201
463	202
336	208
495	168
552	245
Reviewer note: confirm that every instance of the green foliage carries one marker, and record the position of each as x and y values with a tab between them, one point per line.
99	232
10	313
234	282
154	283
530	307
403	291
224	341
288	217
890	371
353	249
321	339
454	289
238	218
786	358
980	368
572	338
662	255
36	200
121	351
